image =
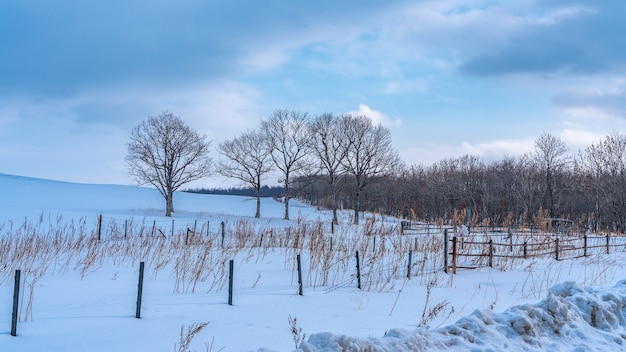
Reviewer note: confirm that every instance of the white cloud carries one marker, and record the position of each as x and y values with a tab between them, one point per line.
376	116
488	151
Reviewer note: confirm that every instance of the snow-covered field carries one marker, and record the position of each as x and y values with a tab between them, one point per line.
85	299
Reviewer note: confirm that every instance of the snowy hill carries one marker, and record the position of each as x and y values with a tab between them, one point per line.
80	294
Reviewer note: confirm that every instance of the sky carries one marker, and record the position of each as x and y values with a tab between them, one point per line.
447	77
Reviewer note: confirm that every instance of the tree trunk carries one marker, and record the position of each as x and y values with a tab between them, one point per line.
258	204
357	205
286	208
169	203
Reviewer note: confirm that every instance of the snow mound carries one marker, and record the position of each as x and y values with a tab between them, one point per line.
571	318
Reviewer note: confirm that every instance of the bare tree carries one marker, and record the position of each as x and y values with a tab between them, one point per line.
166	153
551	160
288	139
370	154
331	149
247	158
604	166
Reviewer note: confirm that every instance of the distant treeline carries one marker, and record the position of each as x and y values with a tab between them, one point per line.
266	191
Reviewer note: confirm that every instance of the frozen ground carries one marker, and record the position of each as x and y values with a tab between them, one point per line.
533	305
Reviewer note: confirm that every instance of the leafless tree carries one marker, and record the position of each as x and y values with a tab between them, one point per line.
289	142
604	165
552	161
370	154
246	158
331	149
166	153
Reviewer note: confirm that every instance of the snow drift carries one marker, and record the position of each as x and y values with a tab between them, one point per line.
571	318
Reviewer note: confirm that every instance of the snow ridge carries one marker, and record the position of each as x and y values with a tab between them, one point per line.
571	318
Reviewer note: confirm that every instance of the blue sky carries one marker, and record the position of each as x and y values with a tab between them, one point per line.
447	77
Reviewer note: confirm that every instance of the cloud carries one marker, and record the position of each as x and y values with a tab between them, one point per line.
579	39
376	116
592	102
429	154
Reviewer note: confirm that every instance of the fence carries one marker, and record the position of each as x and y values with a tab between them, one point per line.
370	256
468	252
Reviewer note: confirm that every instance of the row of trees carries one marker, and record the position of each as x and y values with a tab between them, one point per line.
166	153
587	187
345	161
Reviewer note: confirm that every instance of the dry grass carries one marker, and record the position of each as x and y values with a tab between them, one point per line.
198	260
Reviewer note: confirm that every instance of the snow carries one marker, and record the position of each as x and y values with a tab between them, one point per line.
526	305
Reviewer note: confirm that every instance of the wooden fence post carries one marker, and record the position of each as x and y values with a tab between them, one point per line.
556	251
99	227
525	249
231	269
299	275
195	223
491	253
608	238
16	298
153	227
445	251
454	243
408	269
358	271
139	291
585	245
223	234
172	227
125	228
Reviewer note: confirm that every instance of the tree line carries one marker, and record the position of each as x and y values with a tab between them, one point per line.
348	162
549	184
266	191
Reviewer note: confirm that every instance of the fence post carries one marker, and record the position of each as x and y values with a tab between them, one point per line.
223	234
445	251
299	275
231	268
358	271
525	249
469	220
510	240
608	238
125	228
556	241
408	270
332	227
153	227
16	298
99	227
195	223
374	245
454	242
585	245
172	227
139	291
207	228
491	253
